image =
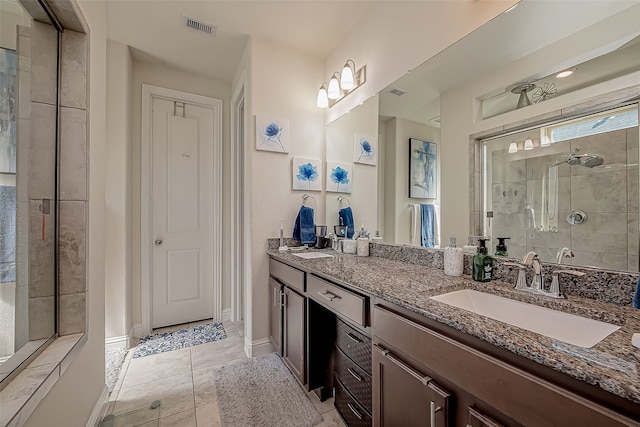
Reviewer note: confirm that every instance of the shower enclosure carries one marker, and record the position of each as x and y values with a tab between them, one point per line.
570	185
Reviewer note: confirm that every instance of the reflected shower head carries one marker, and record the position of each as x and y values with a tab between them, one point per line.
586	160
591	160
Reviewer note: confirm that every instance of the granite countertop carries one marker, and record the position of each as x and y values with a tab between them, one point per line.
613	364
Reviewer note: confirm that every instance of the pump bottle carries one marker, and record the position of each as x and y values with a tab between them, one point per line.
501	247
482	263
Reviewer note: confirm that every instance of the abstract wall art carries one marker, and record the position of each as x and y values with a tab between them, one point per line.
339	177
423	169
365	150
272	134
307	174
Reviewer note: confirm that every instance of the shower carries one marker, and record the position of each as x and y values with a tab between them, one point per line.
586	160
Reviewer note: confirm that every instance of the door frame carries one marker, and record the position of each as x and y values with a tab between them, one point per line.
146	233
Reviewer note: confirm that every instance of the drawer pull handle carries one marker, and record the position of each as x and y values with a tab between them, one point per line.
354	375
328	295
355	338
408	369
355	411
434	409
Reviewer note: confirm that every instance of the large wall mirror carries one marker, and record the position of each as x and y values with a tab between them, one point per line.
465	100
28	171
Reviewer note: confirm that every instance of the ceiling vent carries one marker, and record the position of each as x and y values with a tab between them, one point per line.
199	25
435	119
397	92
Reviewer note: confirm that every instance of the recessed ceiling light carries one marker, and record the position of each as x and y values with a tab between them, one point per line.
565	73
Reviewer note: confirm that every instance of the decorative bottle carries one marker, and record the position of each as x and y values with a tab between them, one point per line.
453	259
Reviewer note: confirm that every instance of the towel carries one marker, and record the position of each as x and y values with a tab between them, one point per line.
416	225
427	225
436	226
636	296
304	229
346	216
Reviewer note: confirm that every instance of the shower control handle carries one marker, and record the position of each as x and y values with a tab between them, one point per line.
158	242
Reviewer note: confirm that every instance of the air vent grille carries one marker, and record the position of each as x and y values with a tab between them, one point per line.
199	25
398	92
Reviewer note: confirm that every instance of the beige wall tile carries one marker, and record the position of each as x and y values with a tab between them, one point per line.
42	152
44	63
41	317
41	263
72	248
73	83
72	313
73	154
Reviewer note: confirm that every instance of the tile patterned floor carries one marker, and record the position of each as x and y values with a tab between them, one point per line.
183	381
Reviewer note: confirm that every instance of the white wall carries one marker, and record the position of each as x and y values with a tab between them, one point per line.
117	205
397	37
169	78
287	92
72	398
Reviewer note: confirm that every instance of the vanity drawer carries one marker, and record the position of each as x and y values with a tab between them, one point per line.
354	378
288	275
341	301
350	410
354	344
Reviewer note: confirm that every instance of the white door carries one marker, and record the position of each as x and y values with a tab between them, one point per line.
182	144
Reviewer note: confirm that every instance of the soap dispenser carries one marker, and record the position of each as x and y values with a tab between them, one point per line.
470	248
482	263
501	247
453	259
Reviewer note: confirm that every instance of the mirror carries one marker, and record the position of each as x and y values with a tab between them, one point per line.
452	104
27	187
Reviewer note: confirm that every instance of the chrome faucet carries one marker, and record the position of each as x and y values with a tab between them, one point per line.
537	283
564	253
555	291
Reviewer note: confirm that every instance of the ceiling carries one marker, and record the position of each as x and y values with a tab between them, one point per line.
154	29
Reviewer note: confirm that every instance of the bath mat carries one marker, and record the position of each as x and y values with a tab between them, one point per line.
261	392
114	358
182	338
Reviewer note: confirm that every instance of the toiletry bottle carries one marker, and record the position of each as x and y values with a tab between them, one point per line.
453	259
482	263
501	247
470	247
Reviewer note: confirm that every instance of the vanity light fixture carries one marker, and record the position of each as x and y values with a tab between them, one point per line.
545	141
347	78
565	73
528	144
334	87
513	147
323	99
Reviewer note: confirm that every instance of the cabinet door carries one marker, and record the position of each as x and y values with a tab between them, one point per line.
293	339
402	396
478	419
275	318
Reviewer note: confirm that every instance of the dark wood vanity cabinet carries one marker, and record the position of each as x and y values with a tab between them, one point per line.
275	314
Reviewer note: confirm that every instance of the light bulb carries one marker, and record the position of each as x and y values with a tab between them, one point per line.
513	148
528	144
323	99
347	80
545	141
334	88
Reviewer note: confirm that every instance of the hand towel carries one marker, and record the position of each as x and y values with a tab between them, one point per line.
347	219
636	296
416	225
304	229
436	226
427	225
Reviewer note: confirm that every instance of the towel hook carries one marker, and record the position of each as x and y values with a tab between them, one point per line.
305	197
340	199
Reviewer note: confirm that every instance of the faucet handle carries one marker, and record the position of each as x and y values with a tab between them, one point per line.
554	290
521	283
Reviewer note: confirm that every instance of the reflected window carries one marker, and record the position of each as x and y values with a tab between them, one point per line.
621	118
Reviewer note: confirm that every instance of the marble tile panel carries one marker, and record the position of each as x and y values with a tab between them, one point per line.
633	234
229	328
633	153
632	189
601	192
72	248
174	392
44	63
605	232
181	419
606	260
611	146
552	240
147	369
42	153
516	171
68	14
204	386
73	82
73	309
217	353
509	198
563	199
510	225
208	415
41	262
498	167
633	263
538	166
41	317
56	351
24	30
73	154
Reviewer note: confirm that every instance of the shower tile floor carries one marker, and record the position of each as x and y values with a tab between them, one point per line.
183	382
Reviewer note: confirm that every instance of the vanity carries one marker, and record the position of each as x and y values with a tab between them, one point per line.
367	331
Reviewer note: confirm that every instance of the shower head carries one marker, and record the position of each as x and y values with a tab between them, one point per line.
592	160
586	160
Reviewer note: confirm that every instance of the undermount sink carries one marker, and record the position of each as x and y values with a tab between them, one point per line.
570	328
313	255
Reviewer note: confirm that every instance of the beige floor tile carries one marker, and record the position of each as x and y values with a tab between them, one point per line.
174	392
181	419
230	328
208	415
204	387
157	366
217	353
321	407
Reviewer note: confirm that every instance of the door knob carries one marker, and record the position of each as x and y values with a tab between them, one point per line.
158	242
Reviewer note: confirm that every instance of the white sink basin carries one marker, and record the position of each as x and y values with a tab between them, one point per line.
570	328
313	255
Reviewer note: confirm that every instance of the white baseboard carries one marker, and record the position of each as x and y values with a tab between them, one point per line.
117	342
137	330
258	348
226	314
100	409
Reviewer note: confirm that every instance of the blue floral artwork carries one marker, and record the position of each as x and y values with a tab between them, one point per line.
365	150
423	169
339	177
272	134
307	174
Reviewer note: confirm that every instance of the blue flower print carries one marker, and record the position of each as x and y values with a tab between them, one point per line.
307	172
365	149
339	176
273	132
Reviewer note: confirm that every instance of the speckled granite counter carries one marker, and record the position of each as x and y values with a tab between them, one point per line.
613	364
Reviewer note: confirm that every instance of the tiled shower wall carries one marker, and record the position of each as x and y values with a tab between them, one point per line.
608	194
